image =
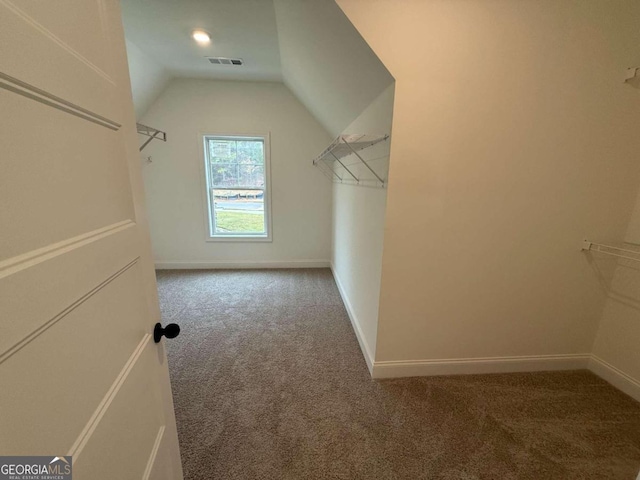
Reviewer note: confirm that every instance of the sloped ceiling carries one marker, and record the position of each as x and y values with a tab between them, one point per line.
243	29
309	44
326	63
148	78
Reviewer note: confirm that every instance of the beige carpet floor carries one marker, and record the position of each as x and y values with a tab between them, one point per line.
269	383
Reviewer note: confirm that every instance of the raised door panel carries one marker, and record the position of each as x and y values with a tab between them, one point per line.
37	289
62	375
130	428
60	54
62	176
82	28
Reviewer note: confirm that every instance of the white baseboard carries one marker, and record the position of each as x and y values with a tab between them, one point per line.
364	346
241	265
454	366
615	377
417	368
533	363
467	366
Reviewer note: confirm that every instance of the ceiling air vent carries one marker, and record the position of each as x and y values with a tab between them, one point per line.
225	61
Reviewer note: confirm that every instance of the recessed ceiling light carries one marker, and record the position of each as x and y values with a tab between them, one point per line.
202	37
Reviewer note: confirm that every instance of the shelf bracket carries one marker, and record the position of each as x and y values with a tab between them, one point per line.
152	133
345	167
365	163
602	248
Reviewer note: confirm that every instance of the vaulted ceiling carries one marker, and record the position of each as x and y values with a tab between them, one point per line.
238	28
309	45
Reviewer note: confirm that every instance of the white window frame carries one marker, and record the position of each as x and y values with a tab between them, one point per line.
209	217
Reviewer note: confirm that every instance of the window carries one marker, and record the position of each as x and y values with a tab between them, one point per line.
237	174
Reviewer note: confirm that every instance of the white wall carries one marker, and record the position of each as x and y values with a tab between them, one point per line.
148	78
358	227
335	74
617	346
300	195
326	63
514	139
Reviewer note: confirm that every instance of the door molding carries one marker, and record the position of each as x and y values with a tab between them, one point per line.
103	406
34	93
154	453
17	11
51	322
35	257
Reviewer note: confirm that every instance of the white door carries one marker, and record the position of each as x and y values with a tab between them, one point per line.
80	373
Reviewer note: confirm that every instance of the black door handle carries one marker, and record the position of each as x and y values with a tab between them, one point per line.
170	331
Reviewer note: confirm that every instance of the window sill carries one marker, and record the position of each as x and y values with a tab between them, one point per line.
239	238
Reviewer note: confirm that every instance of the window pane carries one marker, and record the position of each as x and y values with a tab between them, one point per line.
237	178
251	175
250	151
236	163
236	151
224	175
222	151
239	211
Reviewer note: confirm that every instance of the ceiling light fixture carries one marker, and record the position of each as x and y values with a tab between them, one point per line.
202	37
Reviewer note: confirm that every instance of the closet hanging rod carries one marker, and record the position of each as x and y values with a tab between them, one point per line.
151	133
597	247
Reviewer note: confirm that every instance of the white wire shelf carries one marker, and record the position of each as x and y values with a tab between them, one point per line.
606	249
333	161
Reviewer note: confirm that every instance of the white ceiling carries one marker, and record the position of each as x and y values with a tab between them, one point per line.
239	29
326	63
310	45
